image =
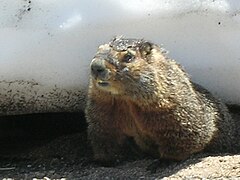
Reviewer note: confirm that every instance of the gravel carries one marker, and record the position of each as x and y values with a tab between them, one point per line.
55	146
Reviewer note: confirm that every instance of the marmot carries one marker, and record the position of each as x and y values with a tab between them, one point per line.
136	91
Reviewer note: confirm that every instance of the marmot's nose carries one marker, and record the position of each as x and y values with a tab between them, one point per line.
98	68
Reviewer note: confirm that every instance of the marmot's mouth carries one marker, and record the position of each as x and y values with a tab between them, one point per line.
103	83
107	86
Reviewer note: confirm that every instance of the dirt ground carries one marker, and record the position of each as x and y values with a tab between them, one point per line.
55	146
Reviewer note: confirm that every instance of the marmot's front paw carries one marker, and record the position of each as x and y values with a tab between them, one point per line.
105	152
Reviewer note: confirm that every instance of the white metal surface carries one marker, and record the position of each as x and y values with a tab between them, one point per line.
46	45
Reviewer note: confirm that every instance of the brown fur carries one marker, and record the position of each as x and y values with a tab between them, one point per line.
151	99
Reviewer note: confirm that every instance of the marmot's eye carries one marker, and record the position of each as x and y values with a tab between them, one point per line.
127	58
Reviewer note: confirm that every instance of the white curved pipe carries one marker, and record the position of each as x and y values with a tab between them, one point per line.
46	45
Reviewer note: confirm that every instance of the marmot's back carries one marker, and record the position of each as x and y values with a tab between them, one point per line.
225	140
136	91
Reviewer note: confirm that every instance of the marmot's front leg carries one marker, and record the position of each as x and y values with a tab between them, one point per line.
106	144
106	139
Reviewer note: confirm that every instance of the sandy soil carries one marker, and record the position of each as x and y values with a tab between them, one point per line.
55	146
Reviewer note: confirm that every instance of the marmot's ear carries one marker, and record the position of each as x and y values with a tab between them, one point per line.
146	48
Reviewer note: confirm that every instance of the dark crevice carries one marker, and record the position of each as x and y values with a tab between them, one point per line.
18	133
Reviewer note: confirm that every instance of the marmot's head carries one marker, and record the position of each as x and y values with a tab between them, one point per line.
126	67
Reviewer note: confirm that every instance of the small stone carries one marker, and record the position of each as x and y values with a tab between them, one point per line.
51	171
46	178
